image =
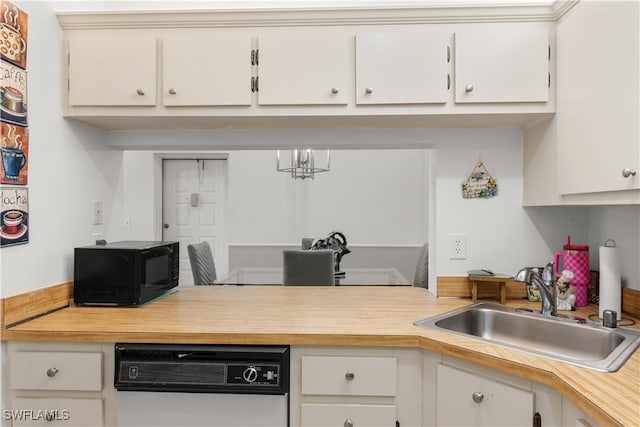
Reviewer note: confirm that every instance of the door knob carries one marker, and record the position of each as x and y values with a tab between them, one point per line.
51	372
335	90
172	91
626	172
349	376
477	397
140	92
165	226
348	423
468	88
368	90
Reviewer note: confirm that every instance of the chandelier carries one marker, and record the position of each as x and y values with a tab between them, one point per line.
303	162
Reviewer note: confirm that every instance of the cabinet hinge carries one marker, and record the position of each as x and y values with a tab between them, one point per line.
549	52
257	56
448	54
549	80
254	84
253	57
448	81
537	420
257	86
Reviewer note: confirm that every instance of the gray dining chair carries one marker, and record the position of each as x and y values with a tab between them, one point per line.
421	278
202	264
314	268
307	242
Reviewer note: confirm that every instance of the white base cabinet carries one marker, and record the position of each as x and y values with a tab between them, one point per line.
352	387
468	399
60	384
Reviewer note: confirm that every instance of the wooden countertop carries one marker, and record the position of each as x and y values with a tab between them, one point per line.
336	316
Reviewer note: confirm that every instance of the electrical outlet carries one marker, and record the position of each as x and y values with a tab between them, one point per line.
457	246
97	212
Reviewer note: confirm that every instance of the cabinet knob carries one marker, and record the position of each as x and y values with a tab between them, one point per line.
468	88
335	90
368	90
348	423
477	397
140	92
51	372
350	376
626	172
172	91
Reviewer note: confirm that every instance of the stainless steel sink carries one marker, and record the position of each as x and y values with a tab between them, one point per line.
575	341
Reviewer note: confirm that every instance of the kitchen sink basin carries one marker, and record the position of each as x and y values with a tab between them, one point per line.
571	340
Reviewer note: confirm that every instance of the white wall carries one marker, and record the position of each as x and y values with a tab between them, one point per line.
69	167
375	197
501	235
622	224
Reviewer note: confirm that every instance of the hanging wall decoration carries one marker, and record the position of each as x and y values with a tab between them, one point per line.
14	214
14	133
479	184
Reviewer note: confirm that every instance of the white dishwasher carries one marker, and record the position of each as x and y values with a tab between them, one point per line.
201	385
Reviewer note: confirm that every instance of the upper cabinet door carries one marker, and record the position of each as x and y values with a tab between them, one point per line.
112	69
304	68
502	63
207	68
599	98
407	67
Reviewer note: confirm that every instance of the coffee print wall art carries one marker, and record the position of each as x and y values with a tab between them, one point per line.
14	216
13	94
14	147
13	34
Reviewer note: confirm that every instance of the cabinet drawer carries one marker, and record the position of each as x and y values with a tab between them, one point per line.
351	376
51	412
323	415
43	370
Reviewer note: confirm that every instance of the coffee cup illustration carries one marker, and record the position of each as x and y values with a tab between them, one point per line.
12	99
13	160
12	44
12	221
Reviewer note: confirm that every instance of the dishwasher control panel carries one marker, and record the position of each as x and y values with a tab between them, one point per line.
202	368
260	374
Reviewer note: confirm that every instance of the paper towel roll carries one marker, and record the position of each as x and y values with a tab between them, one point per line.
610	282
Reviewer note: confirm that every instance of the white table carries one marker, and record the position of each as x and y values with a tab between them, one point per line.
352	277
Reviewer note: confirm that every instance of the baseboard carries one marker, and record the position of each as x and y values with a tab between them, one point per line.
460	287
20	307
631	301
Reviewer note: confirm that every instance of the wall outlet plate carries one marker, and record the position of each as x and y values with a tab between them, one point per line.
457	246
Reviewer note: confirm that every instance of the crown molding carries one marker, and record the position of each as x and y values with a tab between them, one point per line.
223	18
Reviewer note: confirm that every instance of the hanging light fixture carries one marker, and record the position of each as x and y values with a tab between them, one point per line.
303	162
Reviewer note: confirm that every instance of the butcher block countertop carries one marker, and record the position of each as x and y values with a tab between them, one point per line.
374	316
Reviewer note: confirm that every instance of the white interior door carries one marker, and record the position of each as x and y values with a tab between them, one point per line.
193	209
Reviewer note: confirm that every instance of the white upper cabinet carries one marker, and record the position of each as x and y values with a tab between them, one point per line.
304	68
207	68
402	67
599	97
108	68
502	63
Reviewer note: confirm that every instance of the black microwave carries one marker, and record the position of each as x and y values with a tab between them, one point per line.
124	273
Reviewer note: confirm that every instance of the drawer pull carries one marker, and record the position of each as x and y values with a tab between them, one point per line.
348	423
349	376
51	372
477	397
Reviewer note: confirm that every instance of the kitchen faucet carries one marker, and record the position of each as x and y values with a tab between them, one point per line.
545	282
